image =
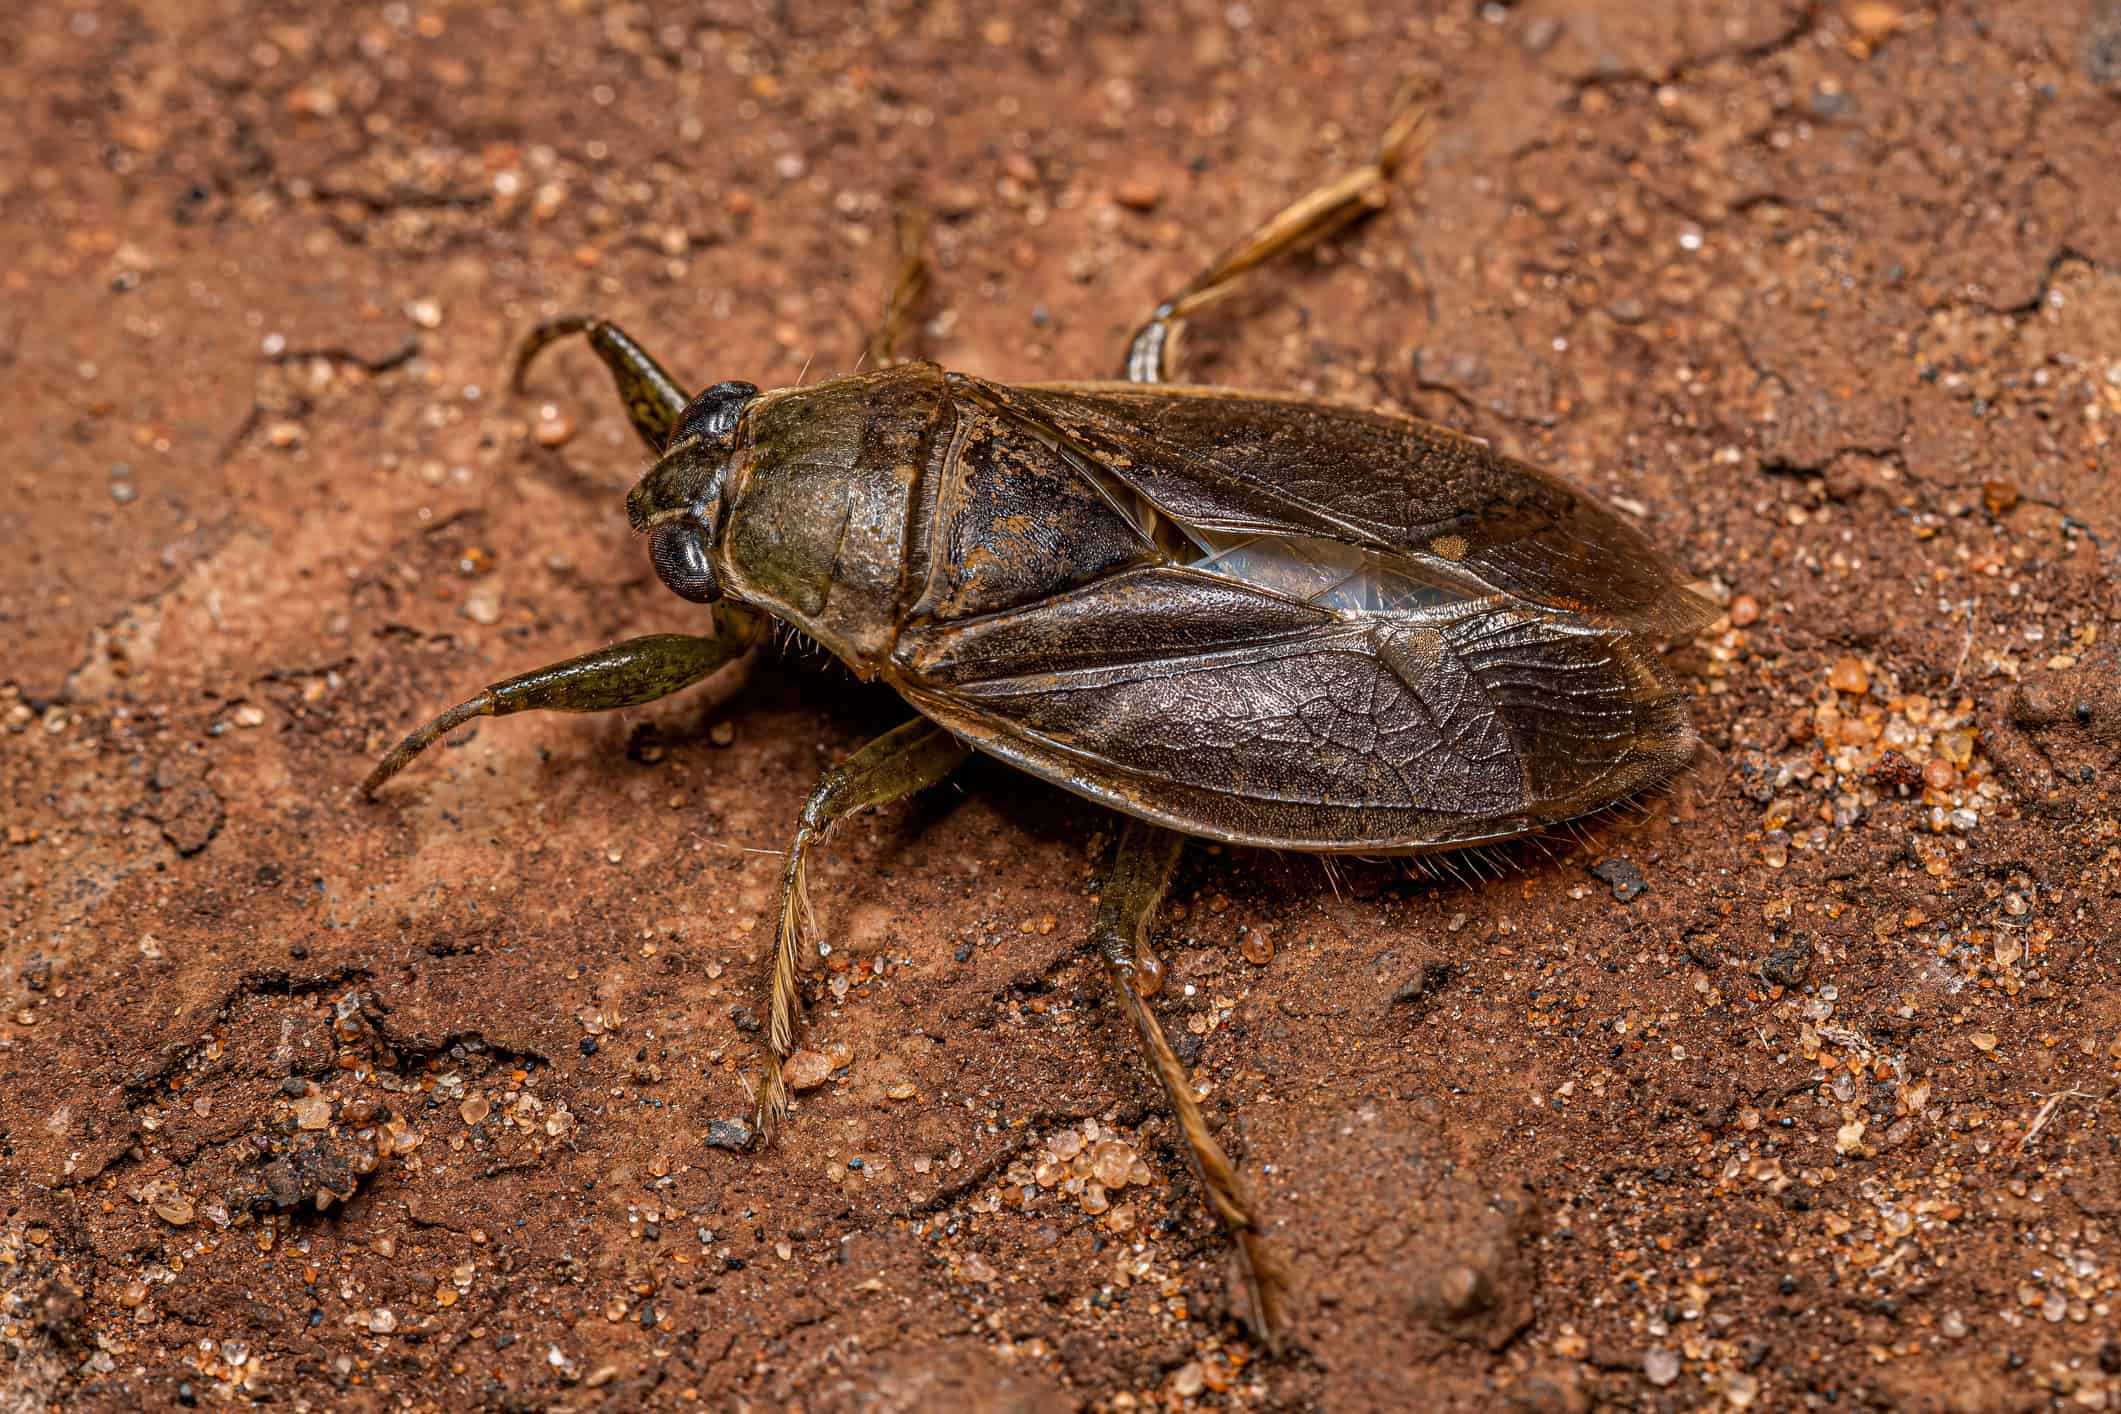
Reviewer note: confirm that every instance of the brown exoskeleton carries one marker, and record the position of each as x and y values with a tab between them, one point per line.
1249	618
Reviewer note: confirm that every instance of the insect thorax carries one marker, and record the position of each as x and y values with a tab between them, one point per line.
821	500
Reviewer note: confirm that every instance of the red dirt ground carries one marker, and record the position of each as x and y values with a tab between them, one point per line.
1828	295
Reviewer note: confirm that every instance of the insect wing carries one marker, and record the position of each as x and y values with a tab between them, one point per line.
1456	513
1236	713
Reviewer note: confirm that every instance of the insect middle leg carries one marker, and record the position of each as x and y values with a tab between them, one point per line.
907	286
902	761
1311	217
1142	863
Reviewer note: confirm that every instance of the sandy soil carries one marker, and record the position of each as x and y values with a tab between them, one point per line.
1828	295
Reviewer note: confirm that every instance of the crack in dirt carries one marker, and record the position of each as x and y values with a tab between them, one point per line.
1802	28
2018	313
140	1087
411	1052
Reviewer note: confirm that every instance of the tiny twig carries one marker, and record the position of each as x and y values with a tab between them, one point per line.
2047	1112
404	353
1966	644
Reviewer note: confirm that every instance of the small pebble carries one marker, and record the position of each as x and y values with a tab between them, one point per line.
475	1109
1138	194
553	428
1462	1290
382	1320
1256	947
482	606
1111	1161
1874	23
1660	1366
1850	676
175	1209
313	1112
249	716
1622	876
721	733
427	313
732	1134
806	1070
1189	1380
957	201
1745	609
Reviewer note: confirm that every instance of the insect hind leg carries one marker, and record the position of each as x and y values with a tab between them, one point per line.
902	761
653	399
1312	217
1142	863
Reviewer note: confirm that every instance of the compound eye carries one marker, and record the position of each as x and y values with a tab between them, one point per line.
713	414
679	551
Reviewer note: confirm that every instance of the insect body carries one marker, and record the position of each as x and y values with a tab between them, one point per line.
1258	620
1242	617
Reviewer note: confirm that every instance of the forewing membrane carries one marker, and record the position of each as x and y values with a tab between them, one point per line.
1441	509
1225	710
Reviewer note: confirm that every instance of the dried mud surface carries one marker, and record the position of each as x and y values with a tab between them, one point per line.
1824	1115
